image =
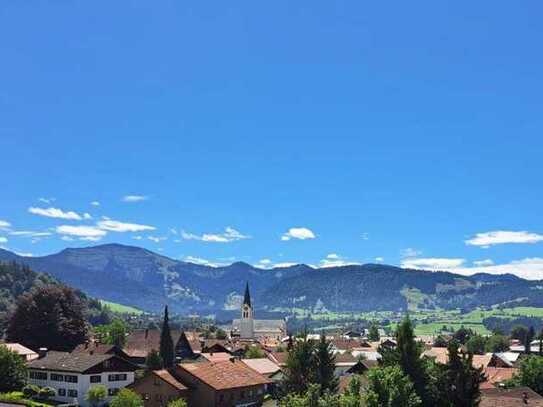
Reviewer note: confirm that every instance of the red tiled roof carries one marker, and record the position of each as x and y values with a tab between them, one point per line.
225	375
170	379
278	357
510	398
217	356
139	343
262	365
495	375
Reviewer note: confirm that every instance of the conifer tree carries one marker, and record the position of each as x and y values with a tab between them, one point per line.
300	367
166	342
462	378
325	366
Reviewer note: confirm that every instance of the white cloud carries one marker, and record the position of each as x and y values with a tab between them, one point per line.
483	263
95	203
528	268
116	226
365	236
29	233
200	261
137	237
87	216
229	235
379	259
264	264
55	213
410	252
285	265
46	200
432	263
488	239
4	224
298	233
67	238
134	198
334	260
3	239
156	239
82	232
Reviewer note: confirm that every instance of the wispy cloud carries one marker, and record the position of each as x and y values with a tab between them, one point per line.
134	198
55	213
157	239
379	259
46	200
95	203
87	216
82	232
3	239
200	261
410	252
298	233
4	224
496	237
433	263
229	235
117	226
29	233
18	253
335	260
528	268
483	263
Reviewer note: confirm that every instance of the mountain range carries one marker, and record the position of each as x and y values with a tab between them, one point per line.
138	277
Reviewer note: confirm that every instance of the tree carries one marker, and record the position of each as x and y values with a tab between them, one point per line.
49	316
519	332
254	352
166	342
476	344
30	391
462	335
462	378
117	333
440	342
530	335
300	367
96	395
390	387
177	403
325	366
12	370
373	333
220	334
531	373
126	398
154	361
497	343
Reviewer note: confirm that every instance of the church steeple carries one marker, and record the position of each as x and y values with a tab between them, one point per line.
247	298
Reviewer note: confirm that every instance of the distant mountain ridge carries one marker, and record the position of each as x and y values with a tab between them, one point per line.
139	277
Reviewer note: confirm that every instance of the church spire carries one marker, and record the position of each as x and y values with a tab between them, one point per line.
247	298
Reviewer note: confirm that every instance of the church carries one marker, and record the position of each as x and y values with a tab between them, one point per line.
249	328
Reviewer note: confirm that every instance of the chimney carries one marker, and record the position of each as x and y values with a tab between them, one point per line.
233	360
42	352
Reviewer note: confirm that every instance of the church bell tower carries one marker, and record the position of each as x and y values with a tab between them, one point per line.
247	322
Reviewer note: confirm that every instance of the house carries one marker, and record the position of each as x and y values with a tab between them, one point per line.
26	354
71	375
157	388
265	367
279	358
496	376
217	357
101	349
249	328
140	342
223	384
520	396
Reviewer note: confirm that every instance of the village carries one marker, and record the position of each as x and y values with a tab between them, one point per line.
249	367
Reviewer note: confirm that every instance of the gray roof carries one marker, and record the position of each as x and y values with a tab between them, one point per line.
68	362
264	324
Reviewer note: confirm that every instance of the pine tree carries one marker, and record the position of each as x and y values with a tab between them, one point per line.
463	379
300	367
325	366
530	335
166	342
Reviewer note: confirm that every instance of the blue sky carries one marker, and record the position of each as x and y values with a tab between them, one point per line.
317	132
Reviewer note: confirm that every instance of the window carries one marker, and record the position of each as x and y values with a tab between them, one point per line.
62	392
37	375
112	391
242	394
146	396
57	377
221	398
96	379
72	393
70	379
117	377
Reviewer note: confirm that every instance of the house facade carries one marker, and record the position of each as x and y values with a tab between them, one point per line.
71	375
157	388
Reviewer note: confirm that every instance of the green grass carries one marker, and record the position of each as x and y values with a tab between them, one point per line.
121	309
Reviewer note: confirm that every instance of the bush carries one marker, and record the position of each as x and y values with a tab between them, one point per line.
46	393
177	403
30	391
126	398
12	370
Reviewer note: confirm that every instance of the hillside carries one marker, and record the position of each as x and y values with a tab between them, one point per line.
135	276
16	279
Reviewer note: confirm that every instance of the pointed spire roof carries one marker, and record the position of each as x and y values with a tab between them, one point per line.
247	298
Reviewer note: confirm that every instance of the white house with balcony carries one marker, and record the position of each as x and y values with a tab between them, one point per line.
71	375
